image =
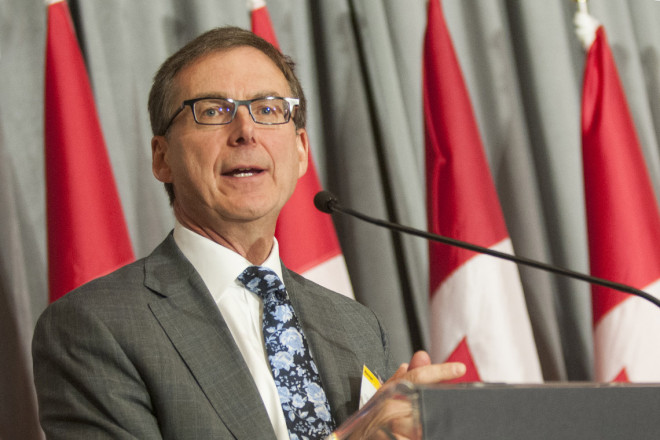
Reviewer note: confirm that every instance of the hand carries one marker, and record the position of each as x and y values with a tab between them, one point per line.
389	414
396	420
420	371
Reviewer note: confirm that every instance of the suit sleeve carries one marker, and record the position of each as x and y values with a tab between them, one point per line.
390	366
86	385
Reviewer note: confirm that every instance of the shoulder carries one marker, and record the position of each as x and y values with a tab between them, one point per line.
112	312
93	309
133	283
120	296
125	283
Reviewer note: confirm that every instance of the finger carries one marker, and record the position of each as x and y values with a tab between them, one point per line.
399	373
435	373
405	427
419	359
393	435
397	421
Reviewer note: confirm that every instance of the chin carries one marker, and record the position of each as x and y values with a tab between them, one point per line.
250	212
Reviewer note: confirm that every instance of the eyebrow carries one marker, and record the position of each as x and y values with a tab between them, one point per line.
257	95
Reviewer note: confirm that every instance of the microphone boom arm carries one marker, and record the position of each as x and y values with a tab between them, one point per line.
332	205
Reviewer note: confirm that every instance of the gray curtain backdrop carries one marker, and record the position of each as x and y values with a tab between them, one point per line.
360	63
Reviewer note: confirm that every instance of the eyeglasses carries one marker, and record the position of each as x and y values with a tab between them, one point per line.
271	110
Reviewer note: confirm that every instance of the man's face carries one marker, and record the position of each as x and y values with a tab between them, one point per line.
239	172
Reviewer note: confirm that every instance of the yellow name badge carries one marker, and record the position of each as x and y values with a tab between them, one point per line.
369	386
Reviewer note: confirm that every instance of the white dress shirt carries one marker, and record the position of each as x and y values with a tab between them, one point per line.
241	309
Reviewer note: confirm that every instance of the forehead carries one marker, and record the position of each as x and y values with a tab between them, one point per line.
240	73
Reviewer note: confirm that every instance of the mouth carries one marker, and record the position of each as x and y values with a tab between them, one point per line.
243	172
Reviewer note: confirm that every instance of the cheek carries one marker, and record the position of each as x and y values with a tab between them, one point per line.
194	161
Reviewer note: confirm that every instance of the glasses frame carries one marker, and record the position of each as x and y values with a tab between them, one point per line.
293	103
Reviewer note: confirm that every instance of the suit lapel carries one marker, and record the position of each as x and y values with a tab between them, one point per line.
331	349
187	313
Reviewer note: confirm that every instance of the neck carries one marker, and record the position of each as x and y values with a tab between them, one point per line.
252	241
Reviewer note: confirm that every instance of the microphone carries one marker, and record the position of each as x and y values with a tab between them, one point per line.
326	202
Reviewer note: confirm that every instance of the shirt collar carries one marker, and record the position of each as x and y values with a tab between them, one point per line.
217	265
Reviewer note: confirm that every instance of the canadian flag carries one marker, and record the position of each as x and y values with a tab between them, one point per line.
623	221
87	233
307	238
478	311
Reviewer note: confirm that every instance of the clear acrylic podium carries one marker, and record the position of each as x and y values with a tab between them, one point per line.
566	411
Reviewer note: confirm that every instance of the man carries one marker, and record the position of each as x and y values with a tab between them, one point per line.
172	345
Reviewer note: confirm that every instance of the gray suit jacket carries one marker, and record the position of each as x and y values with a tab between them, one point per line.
144	353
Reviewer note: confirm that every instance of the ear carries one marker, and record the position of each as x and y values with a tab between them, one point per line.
302	149
159	160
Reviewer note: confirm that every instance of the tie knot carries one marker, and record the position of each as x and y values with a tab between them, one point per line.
262	281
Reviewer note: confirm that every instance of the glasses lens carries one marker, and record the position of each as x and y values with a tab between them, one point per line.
270	111
214	111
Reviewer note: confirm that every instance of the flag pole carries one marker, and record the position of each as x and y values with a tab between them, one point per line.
582	6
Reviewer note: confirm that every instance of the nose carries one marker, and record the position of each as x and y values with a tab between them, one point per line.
242	127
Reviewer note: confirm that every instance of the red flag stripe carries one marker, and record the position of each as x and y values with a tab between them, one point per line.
622	213
623	224
262	26
461	203
87	233
473	297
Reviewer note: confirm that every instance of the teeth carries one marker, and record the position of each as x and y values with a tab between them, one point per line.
244	172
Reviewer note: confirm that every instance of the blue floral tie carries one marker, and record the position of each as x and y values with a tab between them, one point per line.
303	400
